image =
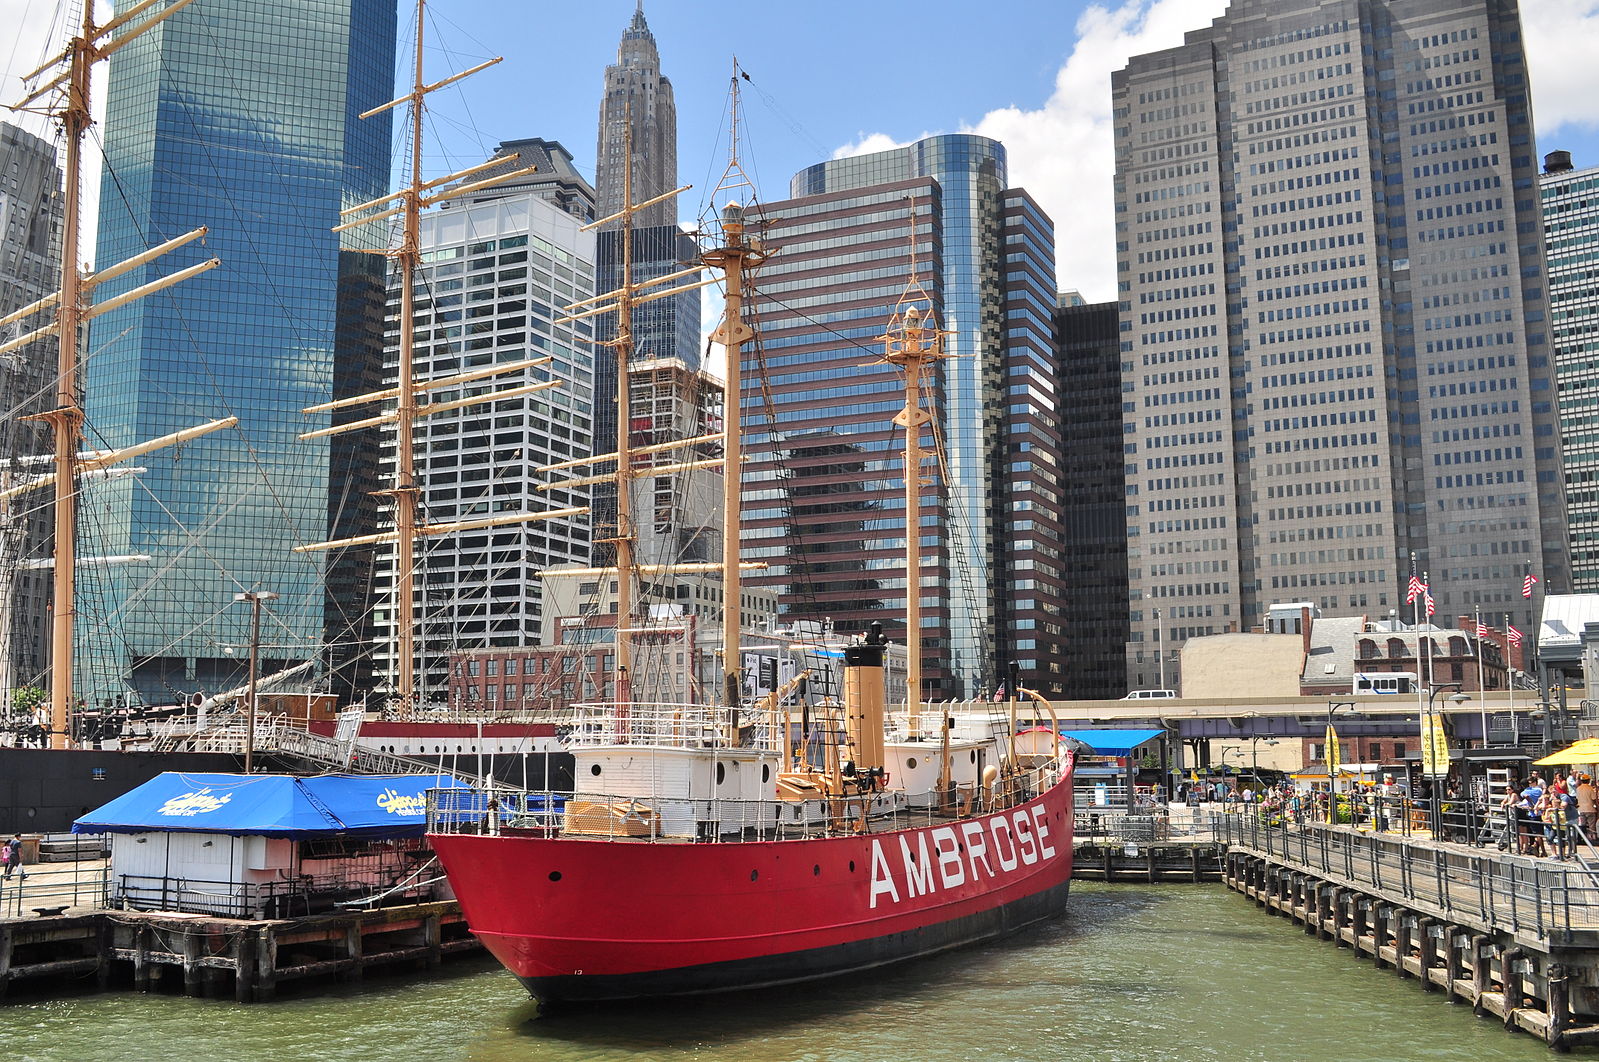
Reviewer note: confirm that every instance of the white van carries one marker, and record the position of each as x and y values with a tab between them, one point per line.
1150	695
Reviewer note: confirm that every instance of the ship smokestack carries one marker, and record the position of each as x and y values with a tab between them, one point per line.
863	698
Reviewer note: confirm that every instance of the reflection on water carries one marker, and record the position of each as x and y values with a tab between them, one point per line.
1174	973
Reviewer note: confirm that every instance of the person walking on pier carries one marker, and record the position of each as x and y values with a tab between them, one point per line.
1587	810
13	857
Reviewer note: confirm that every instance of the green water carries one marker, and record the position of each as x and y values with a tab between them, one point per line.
1175	973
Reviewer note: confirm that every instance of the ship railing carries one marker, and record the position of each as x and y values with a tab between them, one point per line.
665	725
655	815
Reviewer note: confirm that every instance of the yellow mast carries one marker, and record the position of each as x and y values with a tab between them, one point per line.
913	344
736	257
407	256
625	538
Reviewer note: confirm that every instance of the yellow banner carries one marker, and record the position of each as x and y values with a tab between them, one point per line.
1434	745
1331	756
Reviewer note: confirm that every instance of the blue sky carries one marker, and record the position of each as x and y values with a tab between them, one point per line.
839	75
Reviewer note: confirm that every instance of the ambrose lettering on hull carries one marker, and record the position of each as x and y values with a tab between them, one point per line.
942	858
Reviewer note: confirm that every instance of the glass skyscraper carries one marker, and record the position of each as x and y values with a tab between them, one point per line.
241	117
832	485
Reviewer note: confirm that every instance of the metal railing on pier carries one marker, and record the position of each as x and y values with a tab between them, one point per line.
50	888
1552	900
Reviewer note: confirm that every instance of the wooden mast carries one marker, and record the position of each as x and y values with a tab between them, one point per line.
737	256
407	256
624	535
913	344
66	419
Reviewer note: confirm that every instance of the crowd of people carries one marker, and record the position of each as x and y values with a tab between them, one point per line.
1550	818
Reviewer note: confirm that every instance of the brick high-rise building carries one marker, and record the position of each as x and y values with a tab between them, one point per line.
1334	318
824	488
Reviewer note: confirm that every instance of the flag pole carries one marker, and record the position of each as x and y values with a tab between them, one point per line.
1482	684
1510	673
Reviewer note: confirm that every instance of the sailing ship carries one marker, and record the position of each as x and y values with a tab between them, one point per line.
215	721
713	848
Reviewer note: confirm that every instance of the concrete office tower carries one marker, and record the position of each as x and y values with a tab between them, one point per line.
825	471
30	234
1335	348
1571	234
242	117
636	90
1094	505
494	274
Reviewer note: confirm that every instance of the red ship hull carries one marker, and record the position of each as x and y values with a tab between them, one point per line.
589	920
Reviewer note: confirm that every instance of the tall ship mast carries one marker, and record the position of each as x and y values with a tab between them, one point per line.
718	847
407	205
61	90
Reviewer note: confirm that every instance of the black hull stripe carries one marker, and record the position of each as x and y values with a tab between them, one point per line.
768	970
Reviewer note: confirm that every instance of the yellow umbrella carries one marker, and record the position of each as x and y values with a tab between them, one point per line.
1584	751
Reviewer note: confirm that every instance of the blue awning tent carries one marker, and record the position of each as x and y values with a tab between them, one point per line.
1112	742
275	805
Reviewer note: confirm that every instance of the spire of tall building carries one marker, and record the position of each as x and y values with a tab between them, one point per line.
636	89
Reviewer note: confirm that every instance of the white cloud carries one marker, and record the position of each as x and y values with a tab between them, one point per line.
870	142
1063	152
1559	36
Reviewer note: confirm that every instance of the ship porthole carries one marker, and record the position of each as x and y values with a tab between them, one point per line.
852	866
754	874
910	763
766	772
594	770
974	757
555	875
721	773
816	870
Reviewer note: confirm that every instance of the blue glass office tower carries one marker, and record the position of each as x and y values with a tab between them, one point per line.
241	117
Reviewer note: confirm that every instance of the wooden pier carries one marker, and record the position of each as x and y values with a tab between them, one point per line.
1115	860
1516	938
219	957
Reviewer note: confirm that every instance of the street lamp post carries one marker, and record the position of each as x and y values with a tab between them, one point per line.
255	597
1435	748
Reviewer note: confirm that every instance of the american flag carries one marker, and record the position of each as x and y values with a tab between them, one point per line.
1514	635
999	694
1417	588
1483	630
1527	584
1432	606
